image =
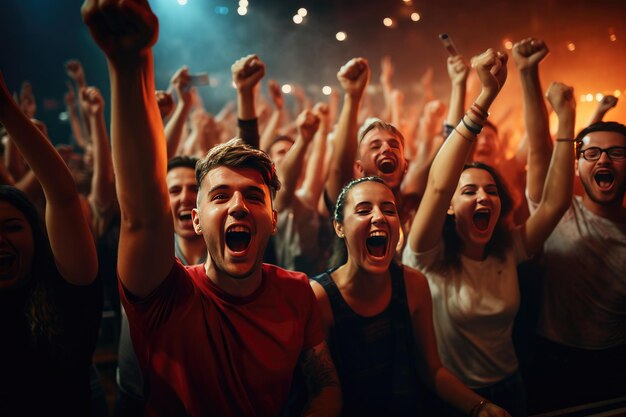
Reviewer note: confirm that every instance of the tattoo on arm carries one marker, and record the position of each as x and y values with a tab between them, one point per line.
318	369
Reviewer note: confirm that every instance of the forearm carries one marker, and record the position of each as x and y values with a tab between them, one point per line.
314	175
289	173
538	132
103	180
138	142
270	130
450	389
457	103
45	162
174	128
345	147
558	188
76	128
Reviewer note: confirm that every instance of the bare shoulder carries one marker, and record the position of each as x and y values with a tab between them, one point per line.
417	290
323	303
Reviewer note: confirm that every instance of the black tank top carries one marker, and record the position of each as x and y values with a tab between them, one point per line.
375	356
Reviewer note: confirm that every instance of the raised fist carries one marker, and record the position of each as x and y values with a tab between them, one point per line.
247	72
354	76
529	52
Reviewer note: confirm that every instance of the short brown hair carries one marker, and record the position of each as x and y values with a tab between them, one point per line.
237	154
375	123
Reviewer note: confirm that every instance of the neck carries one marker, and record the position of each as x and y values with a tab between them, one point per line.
356	280
235	286
193	249
613	211
473	251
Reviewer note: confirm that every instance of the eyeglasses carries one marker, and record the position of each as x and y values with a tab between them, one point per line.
615	153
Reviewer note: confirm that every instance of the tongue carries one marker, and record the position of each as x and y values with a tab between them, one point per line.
376	246
237	241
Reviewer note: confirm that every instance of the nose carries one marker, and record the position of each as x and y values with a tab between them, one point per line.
377	216
187	194
604	157
238	208
481	196
384	147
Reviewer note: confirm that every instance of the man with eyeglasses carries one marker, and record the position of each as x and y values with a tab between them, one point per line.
581	351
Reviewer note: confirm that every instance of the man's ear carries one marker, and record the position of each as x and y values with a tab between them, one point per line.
195	218
338	229
357	170
576	168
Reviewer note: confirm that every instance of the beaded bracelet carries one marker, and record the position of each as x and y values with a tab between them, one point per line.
476	409
477	114
474	130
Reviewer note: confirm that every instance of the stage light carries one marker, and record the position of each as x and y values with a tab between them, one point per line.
326	90
408	3
243	3
599	97
589	97
571	47
508	44
182	2
341	36
302	11
583	98
415	17
387	21
286	88
613	37
297	19
617	93
242	11
223	10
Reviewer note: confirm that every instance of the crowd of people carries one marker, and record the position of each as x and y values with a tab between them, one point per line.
341	262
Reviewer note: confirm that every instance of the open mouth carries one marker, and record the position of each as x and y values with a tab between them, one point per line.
604	179
238	238
481	219
6	262
184	215
377	244
387	165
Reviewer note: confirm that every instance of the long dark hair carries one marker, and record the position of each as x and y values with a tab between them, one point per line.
40	309
500	239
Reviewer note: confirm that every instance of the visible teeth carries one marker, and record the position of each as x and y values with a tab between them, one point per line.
378	233
239	229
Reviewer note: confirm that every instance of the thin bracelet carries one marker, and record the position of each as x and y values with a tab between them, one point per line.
476	409
464	137
566	140
474	130
480	125
477	114
484	112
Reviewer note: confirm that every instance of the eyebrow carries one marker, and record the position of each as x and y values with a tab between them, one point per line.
228	187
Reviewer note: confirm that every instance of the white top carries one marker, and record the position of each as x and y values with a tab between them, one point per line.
584	285
473	311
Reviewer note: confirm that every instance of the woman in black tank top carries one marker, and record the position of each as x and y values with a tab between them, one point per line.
377	316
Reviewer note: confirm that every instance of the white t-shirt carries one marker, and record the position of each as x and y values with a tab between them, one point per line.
584	285
473	311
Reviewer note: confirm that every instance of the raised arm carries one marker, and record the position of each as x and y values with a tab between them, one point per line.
353	77
386	74
458	70
74	116
606	104
448	164
126	31
527	55
102	193
75	71
70	238
174	127
290	170
314	172
559	183
247	72
272	125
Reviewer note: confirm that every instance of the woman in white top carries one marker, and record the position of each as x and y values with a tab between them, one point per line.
460	240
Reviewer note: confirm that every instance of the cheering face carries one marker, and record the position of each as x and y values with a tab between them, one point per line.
476	206
371	227
604	179
236	218
183	191
16	245
382	155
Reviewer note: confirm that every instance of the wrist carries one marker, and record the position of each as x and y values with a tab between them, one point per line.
529	71
485	98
